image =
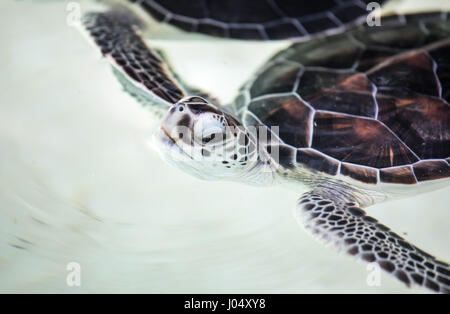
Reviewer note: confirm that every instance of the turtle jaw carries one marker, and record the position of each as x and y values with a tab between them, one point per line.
173	154
165	137
166	145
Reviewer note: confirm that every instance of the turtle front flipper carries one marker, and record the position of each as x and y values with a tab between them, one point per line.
259	20
138	68
336	217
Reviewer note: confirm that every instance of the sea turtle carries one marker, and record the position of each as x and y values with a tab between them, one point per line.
353	114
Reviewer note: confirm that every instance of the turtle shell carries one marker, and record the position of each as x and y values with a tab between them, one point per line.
371	103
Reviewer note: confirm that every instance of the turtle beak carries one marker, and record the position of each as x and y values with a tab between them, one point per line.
177	123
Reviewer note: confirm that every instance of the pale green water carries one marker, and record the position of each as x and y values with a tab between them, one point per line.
79	184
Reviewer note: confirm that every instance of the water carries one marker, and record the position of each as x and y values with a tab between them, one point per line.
79	184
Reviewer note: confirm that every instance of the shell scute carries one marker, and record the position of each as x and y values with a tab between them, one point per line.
403	175
360	141
422	122
337	55
285	155
431	170
414	71
338	92
440	56
315	160
290	114
278	78
411	37
363	174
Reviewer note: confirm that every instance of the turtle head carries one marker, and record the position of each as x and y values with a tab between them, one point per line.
205	141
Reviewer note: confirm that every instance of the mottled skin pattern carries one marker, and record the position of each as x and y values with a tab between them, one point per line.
357	112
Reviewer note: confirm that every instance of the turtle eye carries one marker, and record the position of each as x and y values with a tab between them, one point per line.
213	138
207	139
209	130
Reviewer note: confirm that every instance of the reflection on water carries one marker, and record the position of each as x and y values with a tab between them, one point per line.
79	184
